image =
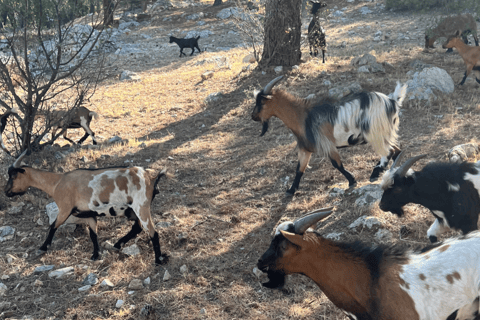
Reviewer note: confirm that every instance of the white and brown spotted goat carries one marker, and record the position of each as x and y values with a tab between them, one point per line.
366	117
441	281
83	195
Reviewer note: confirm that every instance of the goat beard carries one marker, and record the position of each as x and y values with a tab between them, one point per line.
264	128
276	279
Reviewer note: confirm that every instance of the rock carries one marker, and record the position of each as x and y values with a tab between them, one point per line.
424	82
203	311
232	11
207	75
249	58
369	195
163	224
278	69
52	212
128	25
213	97
344	90
166	276
365	221
135	284
132	250
4	277
147	281
38	283
6	233
84	288
119	303
159	6
383	235
462	152
376	67
16	208
129	75
60	272
336	192
310	96
91	279
106	283
194	33
363	69
39	222
327	83
3	289
194	16
419	65
334	236
257	272
337	13
114	139
43	268
366	59
365	10
183	269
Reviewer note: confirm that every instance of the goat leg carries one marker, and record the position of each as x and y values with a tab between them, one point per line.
303	159
85	136
136	229
159	257
93	237
464	78
49	239
337	164
193	50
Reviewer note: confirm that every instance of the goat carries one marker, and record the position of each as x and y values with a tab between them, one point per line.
191	43
367	117
449	190
464	23
78	117
437	282
83	195
3	124
470	55
316	33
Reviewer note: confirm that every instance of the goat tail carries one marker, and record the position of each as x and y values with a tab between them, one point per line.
94	115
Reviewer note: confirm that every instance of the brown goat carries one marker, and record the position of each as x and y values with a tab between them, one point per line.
464	23
394	283
83	195
470	55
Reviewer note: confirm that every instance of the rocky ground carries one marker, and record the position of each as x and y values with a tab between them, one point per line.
215	218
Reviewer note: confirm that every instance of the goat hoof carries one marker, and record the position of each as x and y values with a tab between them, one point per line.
352	186
433	239
162	260
289	193
40	252
94	257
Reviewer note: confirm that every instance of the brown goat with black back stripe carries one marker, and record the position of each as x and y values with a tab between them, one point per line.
83	195
470	55
367	117
379	282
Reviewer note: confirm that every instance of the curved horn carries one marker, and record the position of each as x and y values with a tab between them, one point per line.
17	162
398	160
302	224
402	171
269	86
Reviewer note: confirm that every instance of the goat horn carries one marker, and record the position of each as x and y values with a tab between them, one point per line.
398	160
302	224
269	86
402	171
17	162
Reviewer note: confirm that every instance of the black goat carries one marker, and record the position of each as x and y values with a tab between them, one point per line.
449	190
191	43
316	33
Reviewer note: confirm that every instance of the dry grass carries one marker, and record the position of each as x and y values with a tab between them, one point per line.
228	193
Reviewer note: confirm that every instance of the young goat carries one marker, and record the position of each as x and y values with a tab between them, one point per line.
77	118
191	43
449	190
464	23
470	55
84	195
438	282
316	33
367	117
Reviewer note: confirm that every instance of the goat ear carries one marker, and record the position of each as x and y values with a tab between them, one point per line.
296	239
457	33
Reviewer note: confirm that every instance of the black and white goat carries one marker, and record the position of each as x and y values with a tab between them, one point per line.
77	118
394	283
449	190
367	117
83	195
316	33
3	124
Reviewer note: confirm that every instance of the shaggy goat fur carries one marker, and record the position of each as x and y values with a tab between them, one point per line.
395	283
191	43
463	23
316	33
470	55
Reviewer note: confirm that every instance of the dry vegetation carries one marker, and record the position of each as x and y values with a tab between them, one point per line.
228	193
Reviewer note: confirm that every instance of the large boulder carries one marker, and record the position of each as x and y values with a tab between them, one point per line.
424	83
344	90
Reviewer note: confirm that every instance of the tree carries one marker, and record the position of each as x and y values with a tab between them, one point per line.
44	68
217	2
282	33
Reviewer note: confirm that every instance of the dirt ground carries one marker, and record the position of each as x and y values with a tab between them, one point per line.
227	195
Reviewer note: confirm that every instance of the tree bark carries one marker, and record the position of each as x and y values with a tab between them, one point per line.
282	33
107	12
217	2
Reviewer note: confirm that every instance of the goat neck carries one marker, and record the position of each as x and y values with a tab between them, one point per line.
43	180
291	110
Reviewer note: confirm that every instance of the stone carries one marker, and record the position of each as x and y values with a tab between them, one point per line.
114	139
202	34
278	69
213	97
419	65
327	83
249	58
363	69
52	212
128	25
16	208
334	236
383	235
257	272
232	11
207	75
166	276
147	281
3	289
365	10
336	192
462	152
135	284
4	277
344	90
6	233
366	59
119	303
60	272
38	283
183	269
163	224
91	279
203	311
129	75
84	288
43	268
424	82
132	250
106	283
365	221
337	13
369	195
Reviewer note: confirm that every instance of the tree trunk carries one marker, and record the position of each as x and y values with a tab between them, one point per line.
107	12
282	33
217	2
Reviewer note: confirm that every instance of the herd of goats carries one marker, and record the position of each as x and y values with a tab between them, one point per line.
438	282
